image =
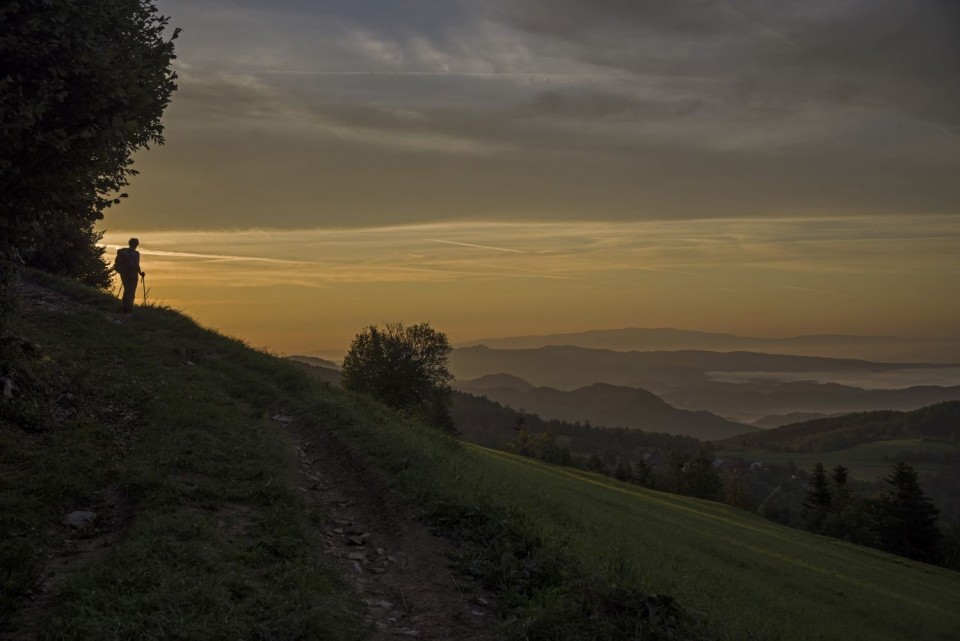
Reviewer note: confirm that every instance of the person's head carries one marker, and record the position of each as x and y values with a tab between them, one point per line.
133	243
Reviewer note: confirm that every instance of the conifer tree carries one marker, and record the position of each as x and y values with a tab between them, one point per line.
907	518
841	490
818	499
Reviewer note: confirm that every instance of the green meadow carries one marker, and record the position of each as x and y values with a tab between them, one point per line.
758	579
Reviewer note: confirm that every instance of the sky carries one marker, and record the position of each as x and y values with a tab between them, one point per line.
503	167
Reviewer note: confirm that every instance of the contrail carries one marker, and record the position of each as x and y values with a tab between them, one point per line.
817	291
158	252
466	74
649	269
499	249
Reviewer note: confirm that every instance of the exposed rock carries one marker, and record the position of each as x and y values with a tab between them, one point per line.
79	518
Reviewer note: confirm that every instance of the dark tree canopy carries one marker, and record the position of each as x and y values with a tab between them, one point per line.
405	368
82	86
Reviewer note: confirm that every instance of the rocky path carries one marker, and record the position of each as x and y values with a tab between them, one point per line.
389	558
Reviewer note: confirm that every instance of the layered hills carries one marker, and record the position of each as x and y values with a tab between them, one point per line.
604	404
702	380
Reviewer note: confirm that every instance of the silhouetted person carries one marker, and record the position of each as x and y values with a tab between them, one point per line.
127	265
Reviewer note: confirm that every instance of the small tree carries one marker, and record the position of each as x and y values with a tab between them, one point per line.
405	368
702	479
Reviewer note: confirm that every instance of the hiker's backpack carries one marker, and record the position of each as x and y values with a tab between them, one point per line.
123	263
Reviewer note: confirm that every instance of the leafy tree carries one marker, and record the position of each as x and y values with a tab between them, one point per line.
595	463
674	477
735	490
82	86
907	519
702	478
405	368
73	250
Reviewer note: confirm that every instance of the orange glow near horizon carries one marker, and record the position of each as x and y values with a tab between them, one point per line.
310	291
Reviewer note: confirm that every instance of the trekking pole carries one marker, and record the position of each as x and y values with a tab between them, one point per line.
143	284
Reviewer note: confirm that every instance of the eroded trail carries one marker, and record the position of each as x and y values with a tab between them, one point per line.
389	557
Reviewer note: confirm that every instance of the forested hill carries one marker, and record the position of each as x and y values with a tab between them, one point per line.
940	421
613	406
488	423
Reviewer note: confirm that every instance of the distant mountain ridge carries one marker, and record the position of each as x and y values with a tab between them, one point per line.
894	348
777	420
321	368
569	367
315	361
683	378
608	406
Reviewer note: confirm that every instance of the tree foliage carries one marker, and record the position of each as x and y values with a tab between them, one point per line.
405	368
73	250
82	86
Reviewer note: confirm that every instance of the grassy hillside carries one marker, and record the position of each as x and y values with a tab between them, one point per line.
172	421
761	580
162	430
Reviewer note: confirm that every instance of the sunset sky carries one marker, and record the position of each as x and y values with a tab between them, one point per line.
503	167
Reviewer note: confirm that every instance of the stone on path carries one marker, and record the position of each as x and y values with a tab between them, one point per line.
79	518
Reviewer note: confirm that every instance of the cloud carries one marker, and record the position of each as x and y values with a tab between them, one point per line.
885	54
369	113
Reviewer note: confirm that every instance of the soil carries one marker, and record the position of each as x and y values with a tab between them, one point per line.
397	566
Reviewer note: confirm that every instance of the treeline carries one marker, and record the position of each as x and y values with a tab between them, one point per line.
488	423
900	519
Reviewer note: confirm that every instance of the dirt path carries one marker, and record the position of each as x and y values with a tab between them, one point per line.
396	565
